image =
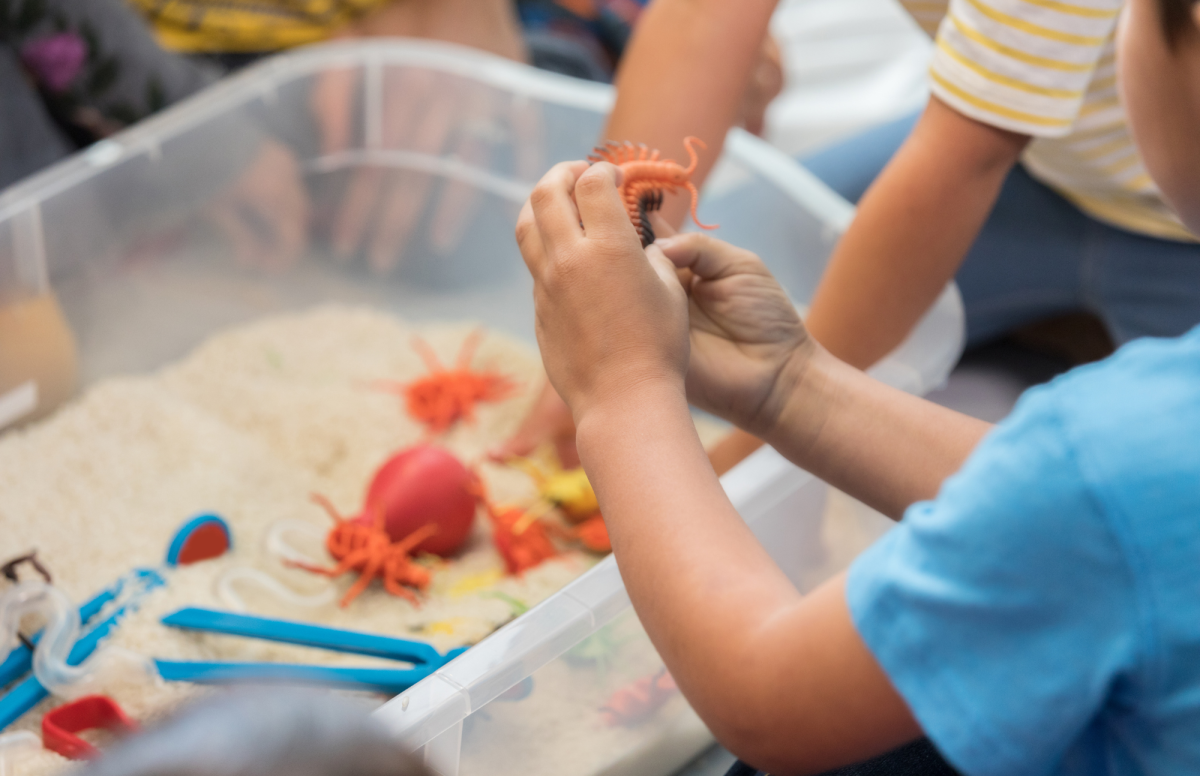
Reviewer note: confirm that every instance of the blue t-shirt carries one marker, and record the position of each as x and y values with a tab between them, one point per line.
1042	615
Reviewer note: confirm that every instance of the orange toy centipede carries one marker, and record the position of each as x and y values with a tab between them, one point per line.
646	179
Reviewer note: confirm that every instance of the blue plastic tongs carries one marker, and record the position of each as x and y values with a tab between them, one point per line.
26	694
423	657
202	537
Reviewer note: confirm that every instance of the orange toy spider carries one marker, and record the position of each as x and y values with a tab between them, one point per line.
520	537
647	177
445	396
368	550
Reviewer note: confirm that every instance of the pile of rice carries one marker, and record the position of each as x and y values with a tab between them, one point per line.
247	426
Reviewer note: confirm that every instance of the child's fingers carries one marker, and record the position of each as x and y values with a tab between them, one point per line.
554	209
665	269
709	258
529	240
662	227
601	208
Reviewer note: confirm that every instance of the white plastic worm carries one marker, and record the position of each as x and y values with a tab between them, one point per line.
232	599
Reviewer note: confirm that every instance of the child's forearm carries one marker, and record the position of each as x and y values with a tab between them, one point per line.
686	556
700	582
762	666
685	72
912	230
883	446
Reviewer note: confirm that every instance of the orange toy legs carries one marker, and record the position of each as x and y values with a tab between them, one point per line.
446	396
520	538
638	700
368	550
646	178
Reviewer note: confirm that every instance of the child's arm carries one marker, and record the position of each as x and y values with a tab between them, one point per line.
913	228
763	667
879	444
783	680
685	72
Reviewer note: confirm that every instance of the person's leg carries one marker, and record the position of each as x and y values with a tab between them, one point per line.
1142	286
98	66
1027	262
29	139
850	166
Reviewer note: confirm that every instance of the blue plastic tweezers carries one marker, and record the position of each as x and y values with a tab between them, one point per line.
423	657
26	694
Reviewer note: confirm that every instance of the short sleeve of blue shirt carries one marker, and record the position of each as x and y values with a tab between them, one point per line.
1020	613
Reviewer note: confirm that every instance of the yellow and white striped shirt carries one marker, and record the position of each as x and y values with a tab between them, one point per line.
255	26
1047	68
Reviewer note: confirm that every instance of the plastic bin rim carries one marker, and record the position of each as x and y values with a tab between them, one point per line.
263	78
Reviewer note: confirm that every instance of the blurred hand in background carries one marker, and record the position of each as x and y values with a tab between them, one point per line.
766	82
266	212
424	119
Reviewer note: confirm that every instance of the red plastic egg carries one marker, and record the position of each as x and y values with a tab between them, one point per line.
422	484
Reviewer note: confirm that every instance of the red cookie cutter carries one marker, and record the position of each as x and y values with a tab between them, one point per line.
92	712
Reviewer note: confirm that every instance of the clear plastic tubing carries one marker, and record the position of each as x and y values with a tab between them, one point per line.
278	546
60	631
229	596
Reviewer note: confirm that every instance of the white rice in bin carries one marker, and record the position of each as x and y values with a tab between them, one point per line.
247	426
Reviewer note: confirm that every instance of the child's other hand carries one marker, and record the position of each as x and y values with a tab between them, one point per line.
749	349
611	318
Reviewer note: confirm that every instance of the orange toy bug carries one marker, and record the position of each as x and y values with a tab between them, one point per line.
368	550
570	491
445	396
637	701
520	537
647	177
592	533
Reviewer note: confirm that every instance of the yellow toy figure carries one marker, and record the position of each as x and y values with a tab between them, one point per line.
570	492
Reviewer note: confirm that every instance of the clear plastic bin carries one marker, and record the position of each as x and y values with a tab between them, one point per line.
125	253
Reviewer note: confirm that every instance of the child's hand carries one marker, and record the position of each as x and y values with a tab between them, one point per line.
611	318
749	349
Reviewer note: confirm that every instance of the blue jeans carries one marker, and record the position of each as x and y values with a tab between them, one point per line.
1038	255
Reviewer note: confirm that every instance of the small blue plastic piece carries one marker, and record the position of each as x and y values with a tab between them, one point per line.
389	680
424	657
302	633
185	532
